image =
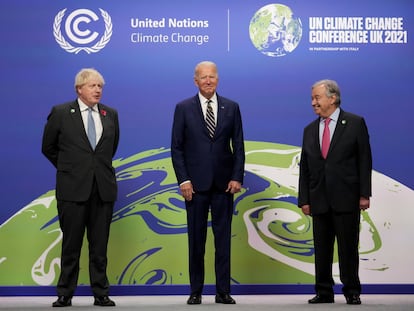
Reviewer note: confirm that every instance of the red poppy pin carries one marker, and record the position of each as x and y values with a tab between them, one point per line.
103	112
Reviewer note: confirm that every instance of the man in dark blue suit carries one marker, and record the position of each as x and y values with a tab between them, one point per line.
334	186
207	152
86	187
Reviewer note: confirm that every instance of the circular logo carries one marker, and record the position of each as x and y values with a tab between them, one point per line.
274	31
81	37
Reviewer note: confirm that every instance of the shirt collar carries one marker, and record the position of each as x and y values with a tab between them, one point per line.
334	116
204	100
83	106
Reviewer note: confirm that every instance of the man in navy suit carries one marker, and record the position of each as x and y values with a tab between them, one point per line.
86	187
209	166
334	188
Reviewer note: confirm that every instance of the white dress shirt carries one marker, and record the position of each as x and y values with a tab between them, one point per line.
96	118
213	104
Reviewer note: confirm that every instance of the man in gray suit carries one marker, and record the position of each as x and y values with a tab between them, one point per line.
86	187
334	186
207	150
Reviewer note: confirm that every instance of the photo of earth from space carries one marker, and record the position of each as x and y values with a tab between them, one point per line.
274	30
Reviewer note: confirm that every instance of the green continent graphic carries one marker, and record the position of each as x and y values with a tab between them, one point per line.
274	31
271	239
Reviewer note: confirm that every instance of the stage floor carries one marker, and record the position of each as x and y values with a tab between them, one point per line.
244	302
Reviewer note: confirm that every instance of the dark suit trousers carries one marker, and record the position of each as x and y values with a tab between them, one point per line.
221	205
345	227
95	216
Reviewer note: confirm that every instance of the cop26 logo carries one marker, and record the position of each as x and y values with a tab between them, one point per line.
82	29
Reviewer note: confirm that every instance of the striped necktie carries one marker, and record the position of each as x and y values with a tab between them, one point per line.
210	121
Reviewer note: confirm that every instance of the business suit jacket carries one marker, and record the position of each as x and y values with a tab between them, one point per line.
66	145
201	159
345	175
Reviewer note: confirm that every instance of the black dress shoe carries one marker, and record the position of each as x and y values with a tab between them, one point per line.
321	299
353	300
63	301
104	301
225	298
194	299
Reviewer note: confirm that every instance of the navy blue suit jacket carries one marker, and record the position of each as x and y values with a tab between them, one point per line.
345	175
203	160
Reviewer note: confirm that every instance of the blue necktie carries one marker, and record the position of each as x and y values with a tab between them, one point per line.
91	129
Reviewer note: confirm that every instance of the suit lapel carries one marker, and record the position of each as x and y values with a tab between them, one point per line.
315	135
198	113
104	120
77	120
221	112
339	130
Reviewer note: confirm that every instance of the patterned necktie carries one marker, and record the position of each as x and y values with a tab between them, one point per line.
210	121
326	139
91	129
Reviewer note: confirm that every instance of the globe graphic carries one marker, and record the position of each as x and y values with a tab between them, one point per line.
274	31
271	238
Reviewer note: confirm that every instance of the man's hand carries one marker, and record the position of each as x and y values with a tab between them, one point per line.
187	190
363	203
306	209
233	187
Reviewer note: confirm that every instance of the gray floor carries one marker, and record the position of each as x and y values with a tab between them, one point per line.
245	302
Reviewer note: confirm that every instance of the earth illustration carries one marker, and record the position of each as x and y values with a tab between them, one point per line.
271	238
274	31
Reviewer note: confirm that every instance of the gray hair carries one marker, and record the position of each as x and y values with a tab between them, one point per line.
85	74
204	63
331	88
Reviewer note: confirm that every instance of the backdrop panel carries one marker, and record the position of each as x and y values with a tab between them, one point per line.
268	56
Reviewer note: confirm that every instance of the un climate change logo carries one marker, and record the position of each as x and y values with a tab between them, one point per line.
82	38
274	31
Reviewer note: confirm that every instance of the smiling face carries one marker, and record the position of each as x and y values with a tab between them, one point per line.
322	105
206	79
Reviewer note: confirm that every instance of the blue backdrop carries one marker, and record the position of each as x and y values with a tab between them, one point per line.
144	81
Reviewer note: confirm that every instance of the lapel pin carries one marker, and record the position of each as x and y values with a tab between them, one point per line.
343	122
72	110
